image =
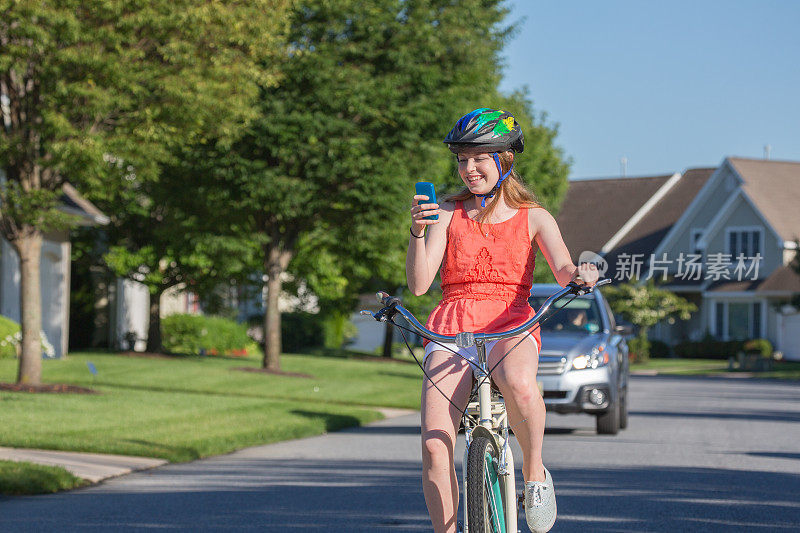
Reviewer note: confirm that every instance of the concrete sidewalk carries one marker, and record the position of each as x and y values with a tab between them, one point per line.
94	467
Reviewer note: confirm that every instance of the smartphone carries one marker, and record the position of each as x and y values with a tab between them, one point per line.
426	188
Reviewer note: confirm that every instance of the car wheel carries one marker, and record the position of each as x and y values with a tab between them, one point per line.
623	408
608	422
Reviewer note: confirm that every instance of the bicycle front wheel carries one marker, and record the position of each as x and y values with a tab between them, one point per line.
485	512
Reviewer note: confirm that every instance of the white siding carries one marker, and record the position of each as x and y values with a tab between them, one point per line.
712	203
743	216
132	313
54	280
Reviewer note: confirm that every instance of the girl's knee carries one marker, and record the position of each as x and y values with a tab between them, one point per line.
437	448
520	386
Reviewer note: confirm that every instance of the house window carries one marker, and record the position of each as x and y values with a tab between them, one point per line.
697	234
745	241
738	320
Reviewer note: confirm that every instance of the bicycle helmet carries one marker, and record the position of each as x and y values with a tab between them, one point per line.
491	130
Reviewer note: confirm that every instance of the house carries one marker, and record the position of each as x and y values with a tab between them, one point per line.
54	272
724	238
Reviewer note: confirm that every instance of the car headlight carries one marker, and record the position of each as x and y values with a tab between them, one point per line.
596	358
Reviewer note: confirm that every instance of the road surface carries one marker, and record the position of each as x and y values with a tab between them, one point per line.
700	454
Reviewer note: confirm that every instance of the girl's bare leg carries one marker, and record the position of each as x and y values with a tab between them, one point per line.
516	379
440	421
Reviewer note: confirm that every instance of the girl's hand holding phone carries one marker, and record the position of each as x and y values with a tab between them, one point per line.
425	210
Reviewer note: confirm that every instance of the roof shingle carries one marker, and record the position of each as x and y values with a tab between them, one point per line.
774	187
595	209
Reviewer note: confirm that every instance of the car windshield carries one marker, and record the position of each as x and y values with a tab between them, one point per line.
580	315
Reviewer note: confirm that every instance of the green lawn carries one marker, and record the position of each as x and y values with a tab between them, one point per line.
28	478
781	369
182	409
681	366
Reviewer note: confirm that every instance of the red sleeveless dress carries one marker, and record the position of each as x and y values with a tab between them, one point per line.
486	276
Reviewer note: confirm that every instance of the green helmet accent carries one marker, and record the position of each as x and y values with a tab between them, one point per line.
491	129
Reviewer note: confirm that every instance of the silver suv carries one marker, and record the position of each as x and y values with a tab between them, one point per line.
583	366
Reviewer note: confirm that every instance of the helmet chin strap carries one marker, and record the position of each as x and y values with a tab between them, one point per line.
497	185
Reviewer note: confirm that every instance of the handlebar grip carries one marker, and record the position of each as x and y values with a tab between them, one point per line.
386	300
581	289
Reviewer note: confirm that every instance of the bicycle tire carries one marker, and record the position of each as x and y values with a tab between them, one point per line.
485	510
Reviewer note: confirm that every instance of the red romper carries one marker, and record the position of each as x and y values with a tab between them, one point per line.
486	276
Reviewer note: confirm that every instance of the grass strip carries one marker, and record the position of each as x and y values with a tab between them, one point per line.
19	478
181	409
705	367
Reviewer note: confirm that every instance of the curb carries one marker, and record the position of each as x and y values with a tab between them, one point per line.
94	467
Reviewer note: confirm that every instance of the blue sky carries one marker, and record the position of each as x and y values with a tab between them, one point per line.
668	85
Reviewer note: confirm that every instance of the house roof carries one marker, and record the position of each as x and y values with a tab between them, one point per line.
645	236
774	188
782	279
594	210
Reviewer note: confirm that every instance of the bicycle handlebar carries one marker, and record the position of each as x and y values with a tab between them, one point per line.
393	305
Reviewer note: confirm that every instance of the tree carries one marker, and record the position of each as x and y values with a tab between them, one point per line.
324	175
645	305
456	84
89	85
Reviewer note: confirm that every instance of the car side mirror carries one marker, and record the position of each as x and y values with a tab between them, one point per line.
624	329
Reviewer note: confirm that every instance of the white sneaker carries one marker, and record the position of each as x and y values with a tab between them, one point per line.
540	504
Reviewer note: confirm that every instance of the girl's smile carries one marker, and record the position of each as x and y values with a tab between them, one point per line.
478	172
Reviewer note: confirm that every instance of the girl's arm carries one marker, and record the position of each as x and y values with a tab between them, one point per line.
548	237
425	255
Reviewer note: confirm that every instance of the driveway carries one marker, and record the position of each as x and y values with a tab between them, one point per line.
701	454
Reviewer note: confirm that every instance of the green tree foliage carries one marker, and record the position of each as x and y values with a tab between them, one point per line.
465	76
323	178
645	305
95	90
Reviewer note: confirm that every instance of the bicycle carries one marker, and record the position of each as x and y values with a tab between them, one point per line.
488	474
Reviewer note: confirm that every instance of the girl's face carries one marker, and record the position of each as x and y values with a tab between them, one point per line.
478	171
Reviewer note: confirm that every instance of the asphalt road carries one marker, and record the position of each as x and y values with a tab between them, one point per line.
700	454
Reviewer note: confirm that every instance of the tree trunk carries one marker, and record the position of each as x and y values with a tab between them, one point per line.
29	249
275	264
388	337
154	329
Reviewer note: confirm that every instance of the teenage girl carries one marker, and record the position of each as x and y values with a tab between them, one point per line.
485	241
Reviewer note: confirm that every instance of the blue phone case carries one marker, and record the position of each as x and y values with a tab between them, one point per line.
426	188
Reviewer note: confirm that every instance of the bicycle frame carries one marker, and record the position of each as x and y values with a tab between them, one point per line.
489	407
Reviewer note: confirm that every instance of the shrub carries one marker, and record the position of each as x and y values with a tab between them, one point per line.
708	348
659	349
209	335
301	330
337	329
10	337
758	346
639	349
